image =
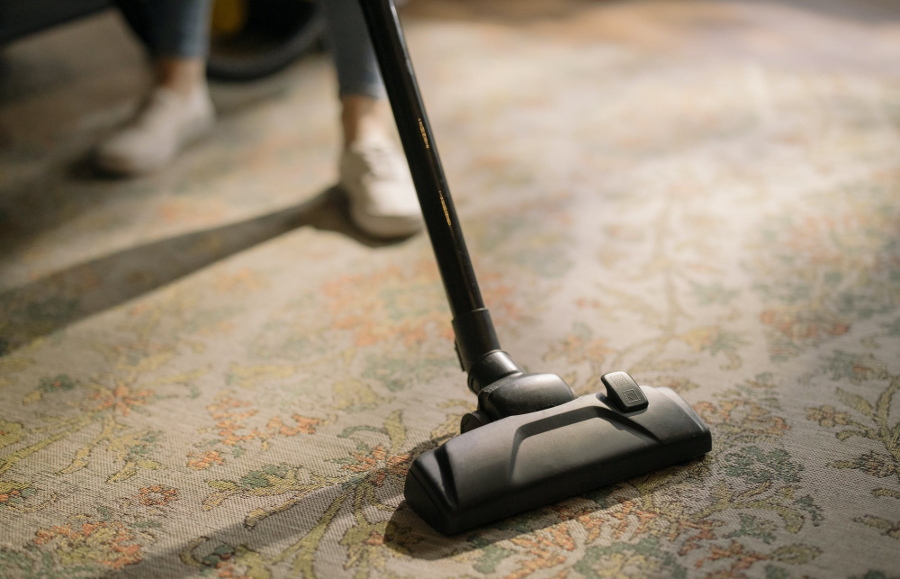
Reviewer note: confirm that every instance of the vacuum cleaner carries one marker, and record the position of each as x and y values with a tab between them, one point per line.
531	441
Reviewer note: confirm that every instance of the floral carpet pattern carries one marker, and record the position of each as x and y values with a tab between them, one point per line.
209	373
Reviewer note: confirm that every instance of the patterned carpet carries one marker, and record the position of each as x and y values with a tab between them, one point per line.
209	373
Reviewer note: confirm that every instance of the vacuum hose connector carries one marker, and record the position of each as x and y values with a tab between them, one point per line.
475	337
503	388
479	350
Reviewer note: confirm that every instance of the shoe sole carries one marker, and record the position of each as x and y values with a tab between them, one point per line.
386	227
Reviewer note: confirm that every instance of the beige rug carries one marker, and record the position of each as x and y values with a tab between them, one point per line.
209	373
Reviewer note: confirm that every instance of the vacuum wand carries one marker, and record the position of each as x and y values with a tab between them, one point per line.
531	441
475	335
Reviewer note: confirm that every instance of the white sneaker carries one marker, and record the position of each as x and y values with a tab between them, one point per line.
383	200
165	123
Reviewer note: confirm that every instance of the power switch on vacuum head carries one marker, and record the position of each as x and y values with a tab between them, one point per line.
624	391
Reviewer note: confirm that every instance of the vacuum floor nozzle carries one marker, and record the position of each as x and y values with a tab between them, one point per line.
523	462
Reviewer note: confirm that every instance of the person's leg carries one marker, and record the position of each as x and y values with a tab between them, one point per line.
372	169
362	94
179	37
178	108
180	75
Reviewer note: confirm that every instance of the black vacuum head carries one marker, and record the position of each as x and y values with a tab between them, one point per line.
523	462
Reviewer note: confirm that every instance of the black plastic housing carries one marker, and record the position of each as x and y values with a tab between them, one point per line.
523	462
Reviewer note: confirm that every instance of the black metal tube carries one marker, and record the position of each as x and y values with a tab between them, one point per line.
421	153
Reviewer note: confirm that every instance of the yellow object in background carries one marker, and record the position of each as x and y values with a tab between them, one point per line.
228	17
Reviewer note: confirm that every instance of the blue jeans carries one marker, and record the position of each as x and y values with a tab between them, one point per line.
180	28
